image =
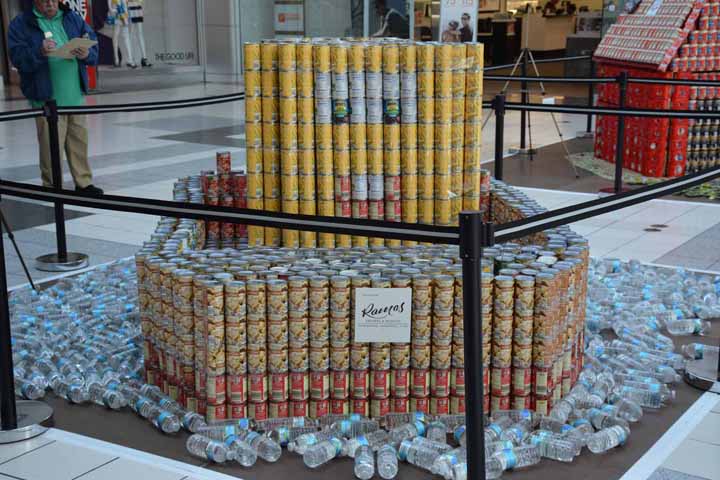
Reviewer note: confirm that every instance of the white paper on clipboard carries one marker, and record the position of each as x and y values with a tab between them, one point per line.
64	51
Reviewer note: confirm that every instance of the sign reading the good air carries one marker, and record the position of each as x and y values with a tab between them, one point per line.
383	315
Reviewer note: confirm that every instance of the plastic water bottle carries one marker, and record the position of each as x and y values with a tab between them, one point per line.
72	392
607	439
697	351
162	419
353	428
28	390
444	463
417	454
518	457
452	421
661	374
208	449
552	446
515	433
602	419
322	453
364	463
436	431
392	420
105	397
303	442
265	447
284	435
192	422
407	431
387	462
493	469
440	447
644	398
374	440
328	420
241	451
688	326
625	409
517	416
562	410
288	422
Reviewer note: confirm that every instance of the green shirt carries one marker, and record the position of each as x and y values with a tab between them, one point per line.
64	73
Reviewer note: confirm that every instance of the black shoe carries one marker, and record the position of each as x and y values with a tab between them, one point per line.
90	191
132	65
144	62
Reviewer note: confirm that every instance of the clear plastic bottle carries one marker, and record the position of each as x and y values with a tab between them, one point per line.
387	462
661	374
284	435
518	457
241	451
265	447
440	447
162	419
697	351
493	469
322	453
451	421
517	416
553	446
28	389
436	431
303	442
516	433
353	428
392	420
105	397
407	431
417	454
444	463
364	463
603	419
288	422
72	392
688	326
644	398
607	439
208	449
374	440
192	422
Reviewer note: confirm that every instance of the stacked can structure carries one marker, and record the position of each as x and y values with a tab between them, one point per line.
388	129
228	188
268	332
254	137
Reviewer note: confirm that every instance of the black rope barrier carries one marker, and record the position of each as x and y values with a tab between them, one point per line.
151	106
514	78
20	114
624	112
663	81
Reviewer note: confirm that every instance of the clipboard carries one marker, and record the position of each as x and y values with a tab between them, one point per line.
64	51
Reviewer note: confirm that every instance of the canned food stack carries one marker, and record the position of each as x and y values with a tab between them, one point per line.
476	182
358	137
324	139
254	136
306	137
703	143
457	142
341	136
443	135
271	135
426	132
289	185
408	135
268	332
374	110
391	136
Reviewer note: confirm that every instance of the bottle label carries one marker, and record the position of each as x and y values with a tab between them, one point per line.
209	452
420	426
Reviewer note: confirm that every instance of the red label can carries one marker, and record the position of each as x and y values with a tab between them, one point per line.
400	405
299	409
420	386
339	385
236	389
500	382
360	406
499	403
339	406
258	411
380	381
216	394
439	383
542	404
439	405
318	408
457	405
319	385
202	406
238	411
540	381
457	382
420	404
278	409
216	412
257	387
299	386
400	383
359	384
521	381
521	403
278	387
379	407
224	162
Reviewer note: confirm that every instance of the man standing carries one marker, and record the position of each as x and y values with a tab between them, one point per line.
466	32
32	37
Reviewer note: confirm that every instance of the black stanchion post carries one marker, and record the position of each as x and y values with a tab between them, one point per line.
591	95
499	107
474	235
619	154
8	414
524	98
51	115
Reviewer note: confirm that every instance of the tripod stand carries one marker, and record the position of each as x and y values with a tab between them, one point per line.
15	246
522	61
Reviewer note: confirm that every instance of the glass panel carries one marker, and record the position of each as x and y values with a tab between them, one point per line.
389	18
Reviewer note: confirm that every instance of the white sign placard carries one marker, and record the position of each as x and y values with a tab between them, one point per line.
289	17
458	20
383	315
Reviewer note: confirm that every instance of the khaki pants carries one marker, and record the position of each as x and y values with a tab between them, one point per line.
73	138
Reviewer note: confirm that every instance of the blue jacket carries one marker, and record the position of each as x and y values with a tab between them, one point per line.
25	40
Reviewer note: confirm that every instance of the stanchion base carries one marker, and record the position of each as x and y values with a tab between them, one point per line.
703	374
522	151
52	263
585	134
33	419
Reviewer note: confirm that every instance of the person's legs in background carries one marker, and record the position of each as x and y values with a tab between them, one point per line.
44	145
76	150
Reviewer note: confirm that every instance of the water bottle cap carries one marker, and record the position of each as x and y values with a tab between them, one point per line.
461	430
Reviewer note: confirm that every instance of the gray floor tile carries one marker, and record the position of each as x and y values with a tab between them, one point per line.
696	458
667	474
215	136
14	450
13	280
59	461
675	259
708	431
183	123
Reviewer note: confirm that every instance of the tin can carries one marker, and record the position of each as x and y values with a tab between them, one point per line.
319	358
419	383
380	357
360	384
299	386
216	412
251	56
420	404
299	408
279	387
287	57
380	407
305	80
440	383
321	55
340	358
237	411
360	406
400	405
215	389
439	405
359	356
278	409
257	387
339	406
426	57
339	385
236	389
380	384
499	403
258	410
319	385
